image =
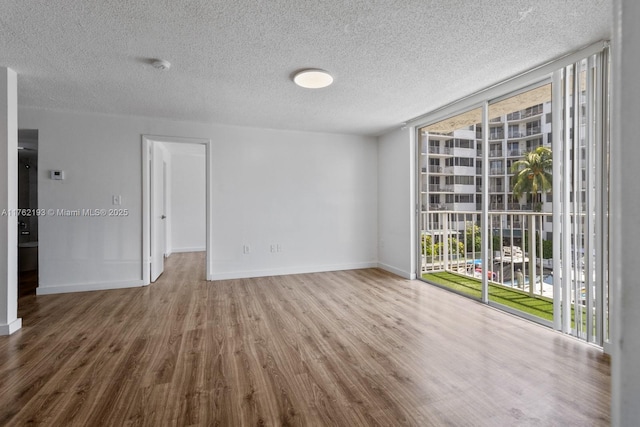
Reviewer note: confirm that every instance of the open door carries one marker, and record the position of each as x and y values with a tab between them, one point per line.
158	169
154	204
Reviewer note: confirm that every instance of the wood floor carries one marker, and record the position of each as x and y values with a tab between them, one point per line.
330	349
27	283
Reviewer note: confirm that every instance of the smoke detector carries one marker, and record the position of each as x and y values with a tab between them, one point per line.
161	64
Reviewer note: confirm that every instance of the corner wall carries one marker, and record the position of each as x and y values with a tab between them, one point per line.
300	201
624	214
396	193
9	321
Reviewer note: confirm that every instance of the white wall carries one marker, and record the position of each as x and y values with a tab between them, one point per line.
625	211
187	198
313	194
9	322
396	196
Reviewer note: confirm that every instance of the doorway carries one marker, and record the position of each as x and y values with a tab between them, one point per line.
160	215
27	212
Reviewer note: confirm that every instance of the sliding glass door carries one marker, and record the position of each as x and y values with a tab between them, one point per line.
520	224
513	200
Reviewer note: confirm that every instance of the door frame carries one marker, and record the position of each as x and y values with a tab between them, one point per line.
147	143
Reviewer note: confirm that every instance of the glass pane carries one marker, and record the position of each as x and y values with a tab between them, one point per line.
526	222
519	219
449	193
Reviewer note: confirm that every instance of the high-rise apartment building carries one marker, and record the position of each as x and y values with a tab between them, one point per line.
451	163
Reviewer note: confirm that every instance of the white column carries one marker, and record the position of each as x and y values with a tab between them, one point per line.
9	322
624	213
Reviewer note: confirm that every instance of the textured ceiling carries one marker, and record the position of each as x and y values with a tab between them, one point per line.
232	61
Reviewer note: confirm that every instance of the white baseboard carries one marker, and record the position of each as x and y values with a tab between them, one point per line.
11	327
291	270
396	271
86	287
195	249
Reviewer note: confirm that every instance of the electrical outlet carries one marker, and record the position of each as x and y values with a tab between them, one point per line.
246	249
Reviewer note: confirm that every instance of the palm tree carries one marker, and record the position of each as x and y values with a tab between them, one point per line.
533	174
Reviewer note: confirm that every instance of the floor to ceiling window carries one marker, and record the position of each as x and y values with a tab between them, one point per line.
513	197
449	164
519	219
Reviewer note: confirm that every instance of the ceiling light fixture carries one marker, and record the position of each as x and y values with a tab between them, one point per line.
312	78
161	64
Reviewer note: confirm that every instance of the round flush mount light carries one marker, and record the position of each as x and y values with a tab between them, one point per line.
312	78
161	64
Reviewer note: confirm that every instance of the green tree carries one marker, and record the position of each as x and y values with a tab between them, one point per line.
455	247
429	249
497	243
472	237
533	175
547	249
547	246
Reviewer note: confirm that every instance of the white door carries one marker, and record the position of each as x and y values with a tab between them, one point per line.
158	213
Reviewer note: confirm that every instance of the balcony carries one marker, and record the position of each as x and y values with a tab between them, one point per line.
441	150
517	134
517	277
441	134
439	207
496	153
525	114
533	131
514	116
438	188
494	133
